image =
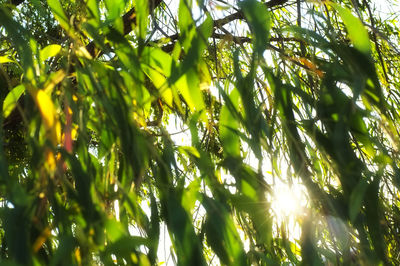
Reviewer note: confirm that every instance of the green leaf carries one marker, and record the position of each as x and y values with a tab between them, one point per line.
21	40
309	252
62	254
191	195
16	223
222	234
259	21
161	83
125	244
186	242
258	210
11	100
205	30
49	51
157	66
374	217
158	60
357	33
189	86
189	151
115	8
185	16
185	76
311	37
93	7
39	6
115	230
142	13
227	126
59	14
356	199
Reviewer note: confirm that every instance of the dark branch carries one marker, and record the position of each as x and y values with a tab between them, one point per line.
229	37
239	15
16	2
240	39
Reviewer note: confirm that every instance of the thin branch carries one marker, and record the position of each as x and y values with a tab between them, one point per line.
128	19
248	39
374	38
239	15
16	2
236	39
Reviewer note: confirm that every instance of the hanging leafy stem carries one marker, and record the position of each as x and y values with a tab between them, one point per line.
199	133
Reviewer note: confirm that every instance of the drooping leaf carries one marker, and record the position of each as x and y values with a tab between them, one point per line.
189	86
93	8
22	42
46	108
227	127
222	235
5	59
60	15
259	20
357	32
142	12
11	99
49	51
185	21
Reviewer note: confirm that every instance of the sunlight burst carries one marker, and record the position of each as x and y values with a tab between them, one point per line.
288	201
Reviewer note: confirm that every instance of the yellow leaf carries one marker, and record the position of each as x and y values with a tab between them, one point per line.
54	80
49	51
56	133
74	132
5	59
83	52
46	108
78	256
50	160
42	238
310	66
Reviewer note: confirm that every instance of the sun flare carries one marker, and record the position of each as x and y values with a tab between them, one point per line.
288	201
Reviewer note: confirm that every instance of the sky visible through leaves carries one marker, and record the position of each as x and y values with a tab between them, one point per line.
289	200
200	134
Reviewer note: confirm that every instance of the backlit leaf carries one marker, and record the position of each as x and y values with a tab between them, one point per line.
49	51
46	108
22	42
5	59
115	8
230	140
222	234
356	199
259	21
93	7
142	15
11	99
357	32
189	86
60	15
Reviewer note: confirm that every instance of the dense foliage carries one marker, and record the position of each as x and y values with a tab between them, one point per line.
148	132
